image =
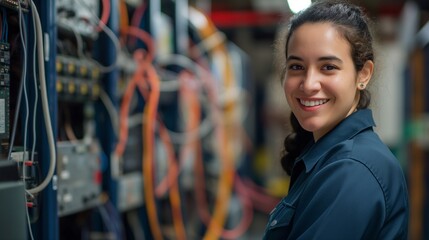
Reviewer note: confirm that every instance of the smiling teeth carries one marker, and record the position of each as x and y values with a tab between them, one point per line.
313	103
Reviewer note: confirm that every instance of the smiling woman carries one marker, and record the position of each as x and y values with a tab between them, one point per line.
345	183
321	81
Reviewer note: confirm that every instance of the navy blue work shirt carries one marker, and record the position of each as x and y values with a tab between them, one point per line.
347	185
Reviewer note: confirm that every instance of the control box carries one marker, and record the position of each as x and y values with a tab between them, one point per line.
79	176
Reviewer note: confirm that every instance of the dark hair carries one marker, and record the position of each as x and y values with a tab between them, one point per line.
351	22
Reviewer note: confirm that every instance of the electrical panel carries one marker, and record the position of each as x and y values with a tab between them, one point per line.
79	176
77	79
15	4
128	131
78	16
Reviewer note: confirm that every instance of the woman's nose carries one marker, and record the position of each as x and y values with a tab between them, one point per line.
310	82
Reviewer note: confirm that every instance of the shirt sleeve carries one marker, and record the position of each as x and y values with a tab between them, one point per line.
343	201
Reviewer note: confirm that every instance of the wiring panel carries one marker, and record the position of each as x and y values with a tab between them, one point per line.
78	16
145	119
15	4
78	79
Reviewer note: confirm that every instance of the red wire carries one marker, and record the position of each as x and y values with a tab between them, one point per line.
202	206
146	38
262	200
247	218
105	15
135	21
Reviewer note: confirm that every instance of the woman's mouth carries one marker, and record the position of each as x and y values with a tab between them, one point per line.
313	103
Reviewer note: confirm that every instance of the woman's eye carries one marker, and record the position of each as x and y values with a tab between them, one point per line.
295	67
329	67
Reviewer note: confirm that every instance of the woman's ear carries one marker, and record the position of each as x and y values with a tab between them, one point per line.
365	74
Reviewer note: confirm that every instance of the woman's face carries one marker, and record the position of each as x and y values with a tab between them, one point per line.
321	82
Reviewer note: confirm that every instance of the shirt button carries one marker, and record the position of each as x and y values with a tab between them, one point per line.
274	222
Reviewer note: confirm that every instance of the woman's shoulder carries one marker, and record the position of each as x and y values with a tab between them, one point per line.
368	157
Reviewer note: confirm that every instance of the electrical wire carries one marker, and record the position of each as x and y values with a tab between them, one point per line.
129	91
135	21
106	219
123	13
175	200
116	219
135	225
111	110
18	105
79	41
104	15
226	157
36	96
149	119
30	231
2	27
144	68
45	104
112	36
145	37
209	43
224	134
23	30
261	199
69	132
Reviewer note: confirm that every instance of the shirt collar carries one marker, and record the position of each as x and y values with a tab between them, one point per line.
346	129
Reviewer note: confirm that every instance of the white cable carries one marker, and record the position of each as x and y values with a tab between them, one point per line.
111	110
112	37
45	104
23	30
209	43
79	42
36	96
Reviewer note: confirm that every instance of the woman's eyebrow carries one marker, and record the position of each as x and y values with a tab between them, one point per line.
330	58
292	57
323	58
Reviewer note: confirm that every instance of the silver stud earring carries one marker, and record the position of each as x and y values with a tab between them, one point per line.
361	86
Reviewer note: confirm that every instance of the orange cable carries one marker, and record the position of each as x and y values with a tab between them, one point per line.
202	207
174	194
129	91
123	20
148	131
226	179
175	200
145	37
189	99
123	120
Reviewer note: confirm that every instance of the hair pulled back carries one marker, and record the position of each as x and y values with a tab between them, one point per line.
351	22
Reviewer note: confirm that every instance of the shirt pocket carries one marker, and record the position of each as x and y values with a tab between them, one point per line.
280	221
281	216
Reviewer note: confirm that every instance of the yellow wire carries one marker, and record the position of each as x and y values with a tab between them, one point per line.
124	19
148	147
225	136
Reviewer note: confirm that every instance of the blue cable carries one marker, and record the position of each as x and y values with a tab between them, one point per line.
6	25
3	27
